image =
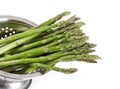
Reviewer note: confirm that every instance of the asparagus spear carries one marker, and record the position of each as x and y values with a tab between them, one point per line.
60	30
63	40
30	32
69	45
27	33
15	44
31	69
77	32
42	59
54	19
82	57
12	68
67	23
53	62
68	36
81	50
49	67
35	44
38	30
39	51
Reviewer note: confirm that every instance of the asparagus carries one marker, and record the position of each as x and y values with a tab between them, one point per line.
40	51
12	68
42	59
64	40
63	70
27	33
60	39
60	30
35	44
54	19
53	62
66	36
81	50
66	23
45	45
50	32
30	32
31	69
82	57
51	21
15	44
38	30
88	45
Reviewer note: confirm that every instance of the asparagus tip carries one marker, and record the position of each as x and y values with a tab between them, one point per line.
79	24
70	70
97	57
67	12
73	18
76	18
91	61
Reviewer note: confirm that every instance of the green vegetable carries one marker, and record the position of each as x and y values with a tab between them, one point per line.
45	45
49	67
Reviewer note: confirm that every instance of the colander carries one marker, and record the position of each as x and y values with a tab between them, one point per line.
10	25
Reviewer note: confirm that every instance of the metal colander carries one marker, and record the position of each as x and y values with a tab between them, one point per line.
10	25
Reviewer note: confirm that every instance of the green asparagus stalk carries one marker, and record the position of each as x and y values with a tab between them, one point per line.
35	44
27	33
15	44
53	42
40	51
66	40
38	30
82	57
54	19
12	68
81	50
88	45
53	62
51	21
67	23
42	59
48	22
65	37
49	67
60	30
31	69
57	31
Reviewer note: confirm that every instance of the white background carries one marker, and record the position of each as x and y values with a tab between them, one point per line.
102	18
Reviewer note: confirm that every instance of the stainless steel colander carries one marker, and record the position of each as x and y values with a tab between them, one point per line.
10	25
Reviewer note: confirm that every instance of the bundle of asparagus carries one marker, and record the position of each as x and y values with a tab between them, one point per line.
41	47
